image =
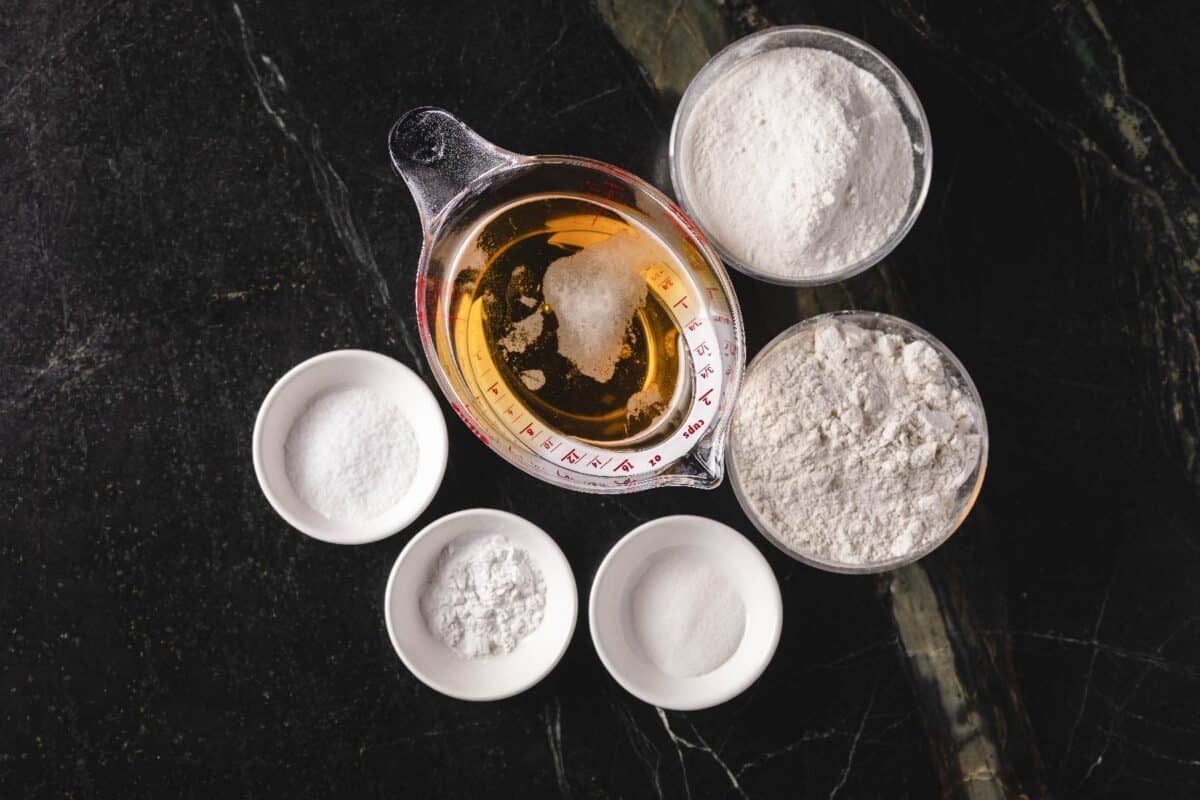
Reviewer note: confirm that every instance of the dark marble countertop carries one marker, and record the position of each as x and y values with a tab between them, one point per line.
196	197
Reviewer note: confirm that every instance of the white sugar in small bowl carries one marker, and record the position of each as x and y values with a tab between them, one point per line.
730	555
491	677
338	369
861	55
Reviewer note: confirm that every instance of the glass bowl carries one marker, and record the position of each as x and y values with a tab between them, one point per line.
860	54
959	379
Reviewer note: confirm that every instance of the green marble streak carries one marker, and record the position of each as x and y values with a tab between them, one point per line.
1120	136
979	732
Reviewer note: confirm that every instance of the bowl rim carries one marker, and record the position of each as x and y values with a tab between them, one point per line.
691	97
560	562
733	688
873	568
384	525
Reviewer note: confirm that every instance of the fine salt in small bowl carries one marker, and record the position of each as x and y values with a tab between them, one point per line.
967	493
730	555
491	677
292	394
860	54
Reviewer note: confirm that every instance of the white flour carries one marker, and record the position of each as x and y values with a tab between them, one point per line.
485	595
351	455
852	444
798	162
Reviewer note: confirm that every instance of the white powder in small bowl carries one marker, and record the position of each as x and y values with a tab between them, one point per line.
484	596
351	455
798	162
687	618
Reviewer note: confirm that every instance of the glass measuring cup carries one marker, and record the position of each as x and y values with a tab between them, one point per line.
477	203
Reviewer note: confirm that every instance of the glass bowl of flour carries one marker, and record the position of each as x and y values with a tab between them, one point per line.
803	153
859	442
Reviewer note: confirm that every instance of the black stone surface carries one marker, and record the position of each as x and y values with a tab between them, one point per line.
195	197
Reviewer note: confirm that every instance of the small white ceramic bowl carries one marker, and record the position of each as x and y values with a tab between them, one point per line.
342	368
736	559
492	677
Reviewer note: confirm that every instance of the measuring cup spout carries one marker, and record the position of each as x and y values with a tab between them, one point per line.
438	156
703	468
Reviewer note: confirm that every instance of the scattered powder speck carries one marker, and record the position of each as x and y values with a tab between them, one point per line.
644	402
351	455
594	294
522	333
533	379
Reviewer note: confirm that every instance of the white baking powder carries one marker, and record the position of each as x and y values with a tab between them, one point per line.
351	454
484	596
852	444
798	162
687	618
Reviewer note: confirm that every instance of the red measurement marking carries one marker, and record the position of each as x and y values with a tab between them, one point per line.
479	355
420	290
595	463
701	349
605	188
655	459
625	482
566	476
694	324
624	466
704	398
548	444
495	388
721	318
666	284
680	302
712	291
509	410
706	371
572	457
528	430
693	429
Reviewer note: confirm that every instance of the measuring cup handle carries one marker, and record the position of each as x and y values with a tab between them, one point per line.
437	155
